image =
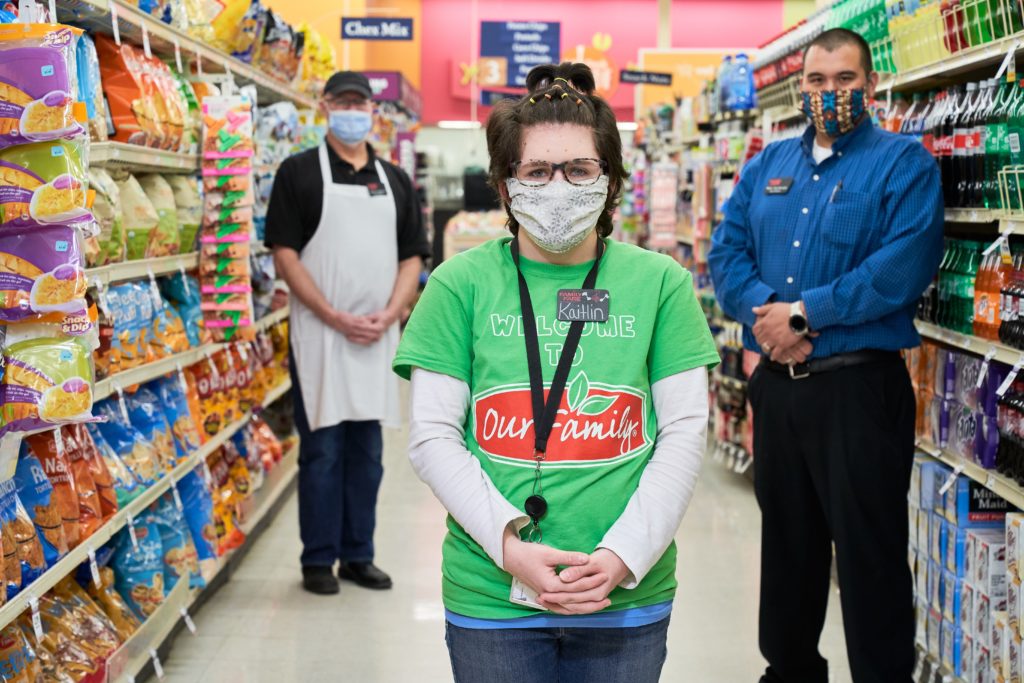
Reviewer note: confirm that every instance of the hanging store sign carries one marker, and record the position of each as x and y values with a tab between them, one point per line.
645	77
509	49
375	28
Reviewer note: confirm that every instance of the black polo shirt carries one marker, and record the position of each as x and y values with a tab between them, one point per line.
298	198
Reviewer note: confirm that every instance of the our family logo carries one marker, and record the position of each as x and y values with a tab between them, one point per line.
596	424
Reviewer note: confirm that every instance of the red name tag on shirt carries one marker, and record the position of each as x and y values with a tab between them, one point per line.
778	186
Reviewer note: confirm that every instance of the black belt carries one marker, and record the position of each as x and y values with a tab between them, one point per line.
841	360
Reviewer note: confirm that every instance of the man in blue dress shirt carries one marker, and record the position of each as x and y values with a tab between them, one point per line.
827	244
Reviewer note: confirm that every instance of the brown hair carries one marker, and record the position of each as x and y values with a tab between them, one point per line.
835	38
562	93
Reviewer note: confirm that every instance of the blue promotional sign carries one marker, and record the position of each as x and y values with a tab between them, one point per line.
489	98
645	77
375	28
509	49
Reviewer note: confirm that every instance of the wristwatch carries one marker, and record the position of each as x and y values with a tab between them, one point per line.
797	320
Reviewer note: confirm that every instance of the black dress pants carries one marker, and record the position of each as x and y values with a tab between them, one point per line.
832	459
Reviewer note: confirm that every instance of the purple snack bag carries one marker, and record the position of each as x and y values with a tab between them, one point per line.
966	379
938	420
989	402
40	272
945	374
987	442
963	431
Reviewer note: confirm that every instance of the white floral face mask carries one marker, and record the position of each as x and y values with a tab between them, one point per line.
558	216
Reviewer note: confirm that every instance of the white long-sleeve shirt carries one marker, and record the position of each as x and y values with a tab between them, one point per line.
437	450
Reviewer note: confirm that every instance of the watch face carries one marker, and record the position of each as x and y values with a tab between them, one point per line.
798	323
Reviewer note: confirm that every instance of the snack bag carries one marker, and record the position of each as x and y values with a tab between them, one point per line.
180	558
147	417
126	485
106	636
130	93
67	641
137	453
113	605
18	661
110	245
45	382
210	388
168	335
128	329
174	402
90	90
11	564
198	516
189	209
97	469
269	446
165	239
89	504
183	290
43	183
57	466
231	395
27	562
39	84
139	571
141	219
36	494
82	622
41	271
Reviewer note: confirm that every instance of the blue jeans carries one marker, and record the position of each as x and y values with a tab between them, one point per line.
340	471
558	655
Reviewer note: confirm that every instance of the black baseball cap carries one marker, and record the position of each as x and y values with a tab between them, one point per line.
348	81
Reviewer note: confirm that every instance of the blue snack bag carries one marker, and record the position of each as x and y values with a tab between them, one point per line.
147	417
27	562
128	442
180	558
139	570
179	416
199	518
127	485
36	494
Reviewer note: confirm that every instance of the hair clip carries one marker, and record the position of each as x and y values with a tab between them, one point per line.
564	81
564	95
547	95
578	101
533	101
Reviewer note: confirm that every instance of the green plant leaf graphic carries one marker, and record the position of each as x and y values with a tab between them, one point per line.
578	391
595	405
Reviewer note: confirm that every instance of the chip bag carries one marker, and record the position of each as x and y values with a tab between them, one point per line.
36	493
65	610
141	219
41	271
45	382
127	485
110	245
180	558
137	453
139	571
18	660
198	516
39	84
189	209
113	605
131	95
183	290
169	335
89	503
128	328
106	487
148	418
166	238
174	402
57	466
21	532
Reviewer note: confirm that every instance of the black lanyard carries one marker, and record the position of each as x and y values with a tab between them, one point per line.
544	414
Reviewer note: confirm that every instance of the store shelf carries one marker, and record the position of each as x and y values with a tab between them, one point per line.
119	155
1013	225
272	318
1003	353
971	216
96	16
1002	486
990	54
731	382
131	270
685	239
277	481
931	671
724	116
778	113
135	654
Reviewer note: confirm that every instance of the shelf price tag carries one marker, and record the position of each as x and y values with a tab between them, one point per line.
177	56
184	280
207	475
53	11
1009	66
189	624
121	403
951	479
158	668
181	378
115	24
1002	242
199	63
37	621
990	482
154	290
177	496
983	371
94	568
1010	378
131	531
145	43
102	300
58	443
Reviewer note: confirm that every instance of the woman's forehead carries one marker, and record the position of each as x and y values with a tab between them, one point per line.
558	142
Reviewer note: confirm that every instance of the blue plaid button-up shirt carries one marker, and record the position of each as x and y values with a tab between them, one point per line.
857	237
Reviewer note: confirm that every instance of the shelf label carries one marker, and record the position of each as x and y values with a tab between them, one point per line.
990	482
983	372
121	403
1005	68
1010	378
158	668
103	301
154	290
115	24
951	479
998	244
189	624
177	56
53	11
177	496
58	443
145	43
181	378
184	280
207	475
94	568
199	64
37	621
131	531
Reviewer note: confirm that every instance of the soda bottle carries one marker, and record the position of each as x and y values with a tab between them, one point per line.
954	33
942	310
1013	319
1001	278
967	276
979	30
997	151
913	119
944	145
1006	303
963	139
976	145
1015	142
984	302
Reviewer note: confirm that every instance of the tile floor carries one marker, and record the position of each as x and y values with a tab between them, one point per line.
262	626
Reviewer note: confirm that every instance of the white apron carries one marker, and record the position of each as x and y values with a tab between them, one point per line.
353	259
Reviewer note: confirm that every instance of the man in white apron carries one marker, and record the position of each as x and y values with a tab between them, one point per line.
347	234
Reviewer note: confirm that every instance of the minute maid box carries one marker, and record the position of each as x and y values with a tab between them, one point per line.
43	183
45	382
38	84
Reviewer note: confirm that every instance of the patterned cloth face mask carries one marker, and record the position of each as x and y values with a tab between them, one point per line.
834	112
558	216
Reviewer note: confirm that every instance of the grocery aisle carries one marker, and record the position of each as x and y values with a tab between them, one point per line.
262	626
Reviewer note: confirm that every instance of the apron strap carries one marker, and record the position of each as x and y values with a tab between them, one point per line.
325	166
383	176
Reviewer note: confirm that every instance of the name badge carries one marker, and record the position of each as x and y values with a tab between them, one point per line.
587	305
376	190
778	186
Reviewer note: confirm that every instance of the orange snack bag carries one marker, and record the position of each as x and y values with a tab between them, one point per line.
101	476
89	506
58	470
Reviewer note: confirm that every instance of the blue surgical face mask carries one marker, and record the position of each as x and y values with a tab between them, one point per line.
350	126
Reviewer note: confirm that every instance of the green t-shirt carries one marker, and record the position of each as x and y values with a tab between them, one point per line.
468	325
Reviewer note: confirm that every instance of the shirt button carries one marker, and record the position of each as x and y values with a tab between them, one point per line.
804	210
816	177
797	244
839	154
789	280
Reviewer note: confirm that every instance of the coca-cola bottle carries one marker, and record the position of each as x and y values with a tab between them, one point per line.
977	144
963	137
944	145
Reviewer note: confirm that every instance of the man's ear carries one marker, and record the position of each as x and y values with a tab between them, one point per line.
872	85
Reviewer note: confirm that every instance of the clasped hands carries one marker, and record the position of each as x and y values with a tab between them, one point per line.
362	329
582	587
777	339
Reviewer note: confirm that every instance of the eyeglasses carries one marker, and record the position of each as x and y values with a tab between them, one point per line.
577	171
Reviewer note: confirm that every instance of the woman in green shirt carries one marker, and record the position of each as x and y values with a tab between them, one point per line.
559	409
